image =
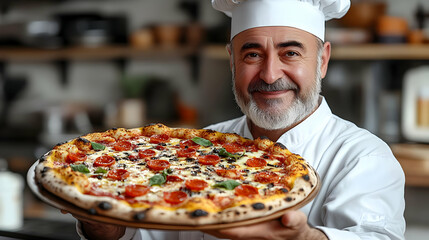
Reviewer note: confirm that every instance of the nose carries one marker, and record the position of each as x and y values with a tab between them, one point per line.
271	69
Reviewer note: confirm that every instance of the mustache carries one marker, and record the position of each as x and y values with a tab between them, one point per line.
279	85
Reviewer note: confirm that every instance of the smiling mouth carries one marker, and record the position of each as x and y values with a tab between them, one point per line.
273	94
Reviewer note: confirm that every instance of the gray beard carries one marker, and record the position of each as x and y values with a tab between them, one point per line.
272	118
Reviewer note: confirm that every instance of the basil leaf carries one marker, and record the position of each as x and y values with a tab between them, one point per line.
100	170
79	168
228	184
157	179
201	141
223	153
97	146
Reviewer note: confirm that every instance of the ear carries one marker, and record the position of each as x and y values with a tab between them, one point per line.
228	48
326	55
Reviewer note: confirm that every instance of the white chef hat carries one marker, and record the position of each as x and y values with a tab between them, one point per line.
308	15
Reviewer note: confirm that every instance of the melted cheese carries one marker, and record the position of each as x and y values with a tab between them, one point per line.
184	168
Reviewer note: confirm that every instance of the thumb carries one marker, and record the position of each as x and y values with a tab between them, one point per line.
293	219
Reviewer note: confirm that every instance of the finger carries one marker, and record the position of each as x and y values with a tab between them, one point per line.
64	211
256	231
293	219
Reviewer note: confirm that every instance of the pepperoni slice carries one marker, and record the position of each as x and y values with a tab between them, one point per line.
256	162
229	173
173	178
105	141
160	148
158	165
118	174
136	190
104	161
246	191
147	153
233	147
186	152
123	146
252	148
196	184
222	202
159	138
76	157
188	144
175	197
267	177
209	159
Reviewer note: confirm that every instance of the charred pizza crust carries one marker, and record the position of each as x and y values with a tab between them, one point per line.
55	175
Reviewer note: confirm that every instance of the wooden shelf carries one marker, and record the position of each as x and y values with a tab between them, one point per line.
339	52
414	159
95	53
381	52
354	52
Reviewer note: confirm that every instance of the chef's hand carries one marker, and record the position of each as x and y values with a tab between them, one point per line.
95	230
292	225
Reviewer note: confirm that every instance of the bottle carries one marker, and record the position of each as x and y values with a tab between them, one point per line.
423	107
11	203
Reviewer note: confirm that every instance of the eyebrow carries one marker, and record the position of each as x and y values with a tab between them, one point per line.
250	45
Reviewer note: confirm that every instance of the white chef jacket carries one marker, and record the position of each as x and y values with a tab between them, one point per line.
362	191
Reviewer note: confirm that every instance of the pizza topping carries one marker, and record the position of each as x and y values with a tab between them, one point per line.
157	179
161	178
175	197
173	178
233	147
118	174
149	169
256	162
79	168
136	190
158	165
229	173
224	153
246	191
76	157
147	153
100	170
186	152
104	161
266	177
123	146
222	202
97	146
208	159
196	184
189	143
203	142
228	184
159	138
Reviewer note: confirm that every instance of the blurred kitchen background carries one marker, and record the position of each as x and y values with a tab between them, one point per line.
69	67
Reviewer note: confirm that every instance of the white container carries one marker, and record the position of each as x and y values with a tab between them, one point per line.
11	202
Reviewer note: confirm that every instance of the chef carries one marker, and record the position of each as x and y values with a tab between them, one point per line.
278	58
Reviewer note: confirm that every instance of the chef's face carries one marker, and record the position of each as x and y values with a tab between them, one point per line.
277	74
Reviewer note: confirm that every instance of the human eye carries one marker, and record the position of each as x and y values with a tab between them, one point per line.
291	54
252	55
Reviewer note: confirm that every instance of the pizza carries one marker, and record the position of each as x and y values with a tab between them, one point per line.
178	176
